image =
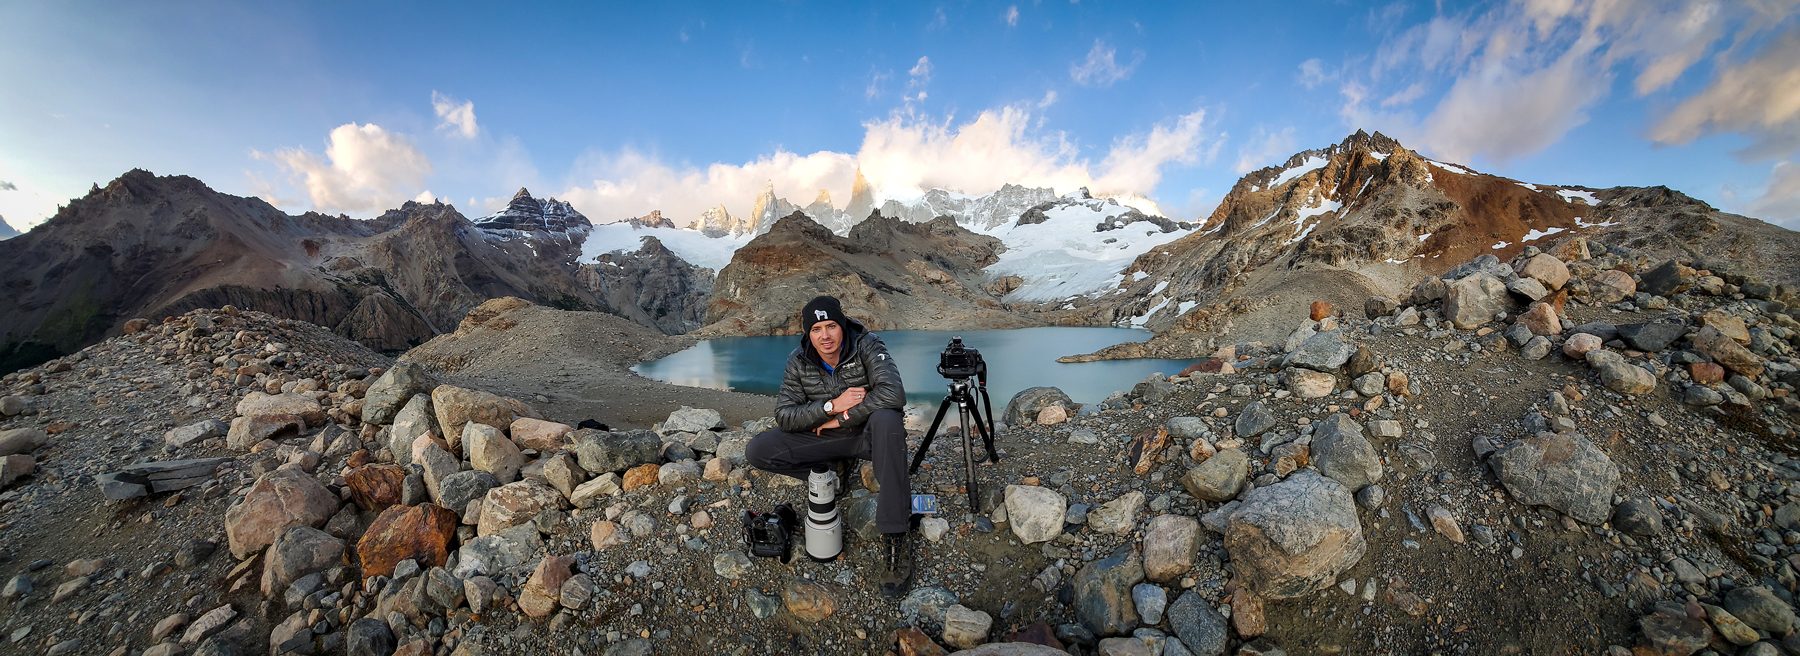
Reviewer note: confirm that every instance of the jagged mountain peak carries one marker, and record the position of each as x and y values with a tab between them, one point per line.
526	213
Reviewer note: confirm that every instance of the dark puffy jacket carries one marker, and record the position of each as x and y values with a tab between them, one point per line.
806	385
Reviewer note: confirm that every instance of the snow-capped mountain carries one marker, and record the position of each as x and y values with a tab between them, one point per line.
526	214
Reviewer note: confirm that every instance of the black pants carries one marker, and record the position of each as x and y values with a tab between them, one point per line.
882	441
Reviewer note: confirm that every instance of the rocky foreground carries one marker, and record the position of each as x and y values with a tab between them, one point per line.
1501	463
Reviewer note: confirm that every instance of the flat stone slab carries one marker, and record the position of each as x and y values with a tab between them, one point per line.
157	477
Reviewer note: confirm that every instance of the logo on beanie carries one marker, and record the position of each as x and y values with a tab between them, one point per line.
821	314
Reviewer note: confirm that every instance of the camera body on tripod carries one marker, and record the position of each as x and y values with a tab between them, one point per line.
959	361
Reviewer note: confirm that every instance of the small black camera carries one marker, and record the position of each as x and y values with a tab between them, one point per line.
958	361
768	534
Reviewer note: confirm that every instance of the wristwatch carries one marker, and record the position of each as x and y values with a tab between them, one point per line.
828	407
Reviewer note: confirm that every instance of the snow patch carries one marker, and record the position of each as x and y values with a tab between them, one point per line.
1536	234
696	248
1571	196
1138	275
1528	185
1139	321
1311	163
1428	235
1159	287
1501	245
1580	224
1378	156
1452	167
1183	308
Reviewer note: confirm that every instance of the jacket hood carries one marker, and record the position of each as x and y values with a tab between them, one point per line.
853	333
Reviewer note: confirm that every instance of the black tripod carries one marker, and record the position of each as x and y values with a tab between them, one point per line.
962	394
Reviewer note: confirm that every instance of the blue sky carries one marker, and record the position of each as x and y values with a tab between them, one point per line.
357	107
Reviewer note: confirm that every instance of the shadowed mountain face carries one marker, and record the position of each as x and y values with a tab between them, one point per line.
890	274
149	246
651	286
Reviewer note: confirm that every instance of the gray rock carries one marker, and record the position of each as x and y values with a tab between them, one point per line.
1296	536
1255	420
368	637
1035	513
399	383
762	606
1605	331
1370	384
1199	626
196	432
1024	406
458	489
157	477
498	553
1473	301
1667	278
690	420
731	564
1103	601
1155	388
1518	334
859	517
1340	450
21	440
416	418
1371	497
413	490
618	451
1639	517
1527	287
1650	337
925	606
1701	395
1220	478
300	551
1536	349
632	647
1761	609
1150	600
1563	471
1326	351
1118	516
1171	543
1186	428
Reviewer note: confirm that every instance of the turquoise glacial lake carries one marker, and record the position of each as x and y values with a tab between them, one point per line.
1016	359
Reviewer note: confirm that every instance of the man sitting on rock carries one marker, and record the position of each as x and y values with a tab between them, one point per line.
841	398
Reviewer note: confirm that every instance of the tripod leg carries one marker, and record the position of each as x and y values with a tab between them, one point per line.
969	453
925	445
987	438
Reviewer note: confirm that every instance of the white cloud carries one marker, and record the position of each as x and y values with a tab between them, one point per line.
1405	96
875	80
902	156
1012	15
366	170
1265	149
1101	68
939	20
1049	99
1780	203
1312	73
458	118
921	72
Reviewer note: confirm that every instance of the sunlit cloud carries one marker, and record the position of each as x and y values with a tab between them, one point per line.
457	118
1101	68
365	169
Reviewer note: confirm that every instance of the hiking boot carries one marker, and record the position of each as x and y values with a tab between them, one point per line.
897	560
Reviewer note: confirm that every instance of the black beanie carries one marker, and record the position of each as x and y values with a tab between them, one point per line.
823	308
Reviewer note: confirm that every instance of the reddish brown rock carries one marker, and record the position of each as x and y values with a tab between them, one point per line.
605	534
1321	309
544	436
359	458
375	487
1143	449
1247	613
422	533
1727	325
1612	286
811	602
280	500
1726	351
913	642
1213	366
135	326
1039	633
641	476
1541	319
543	590
1706	373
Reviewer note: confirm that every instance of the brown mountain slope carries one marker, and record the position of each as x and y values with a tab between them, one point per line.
891	274
151	246
1367	216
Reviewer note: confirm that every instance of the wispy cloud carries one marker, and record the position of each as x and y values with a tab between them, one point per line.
1101	68
1012	15
1759	98
1312	73
458	118
939	20
365	169
919	78
8	186
1265	149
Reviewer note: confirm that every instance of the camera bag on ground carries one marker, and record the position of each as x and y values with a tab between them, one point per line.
768	534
